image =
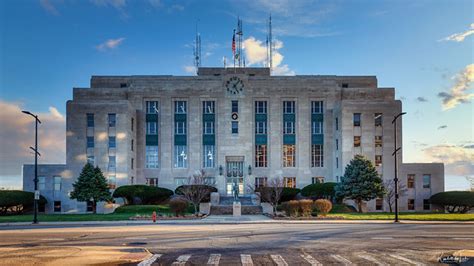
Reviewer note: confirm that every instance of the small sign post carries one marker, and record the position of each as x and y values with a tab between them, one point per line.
37	195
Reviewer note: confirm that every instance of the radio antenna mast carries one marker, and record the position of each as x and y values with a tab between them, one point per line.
270	44
197	48
239	41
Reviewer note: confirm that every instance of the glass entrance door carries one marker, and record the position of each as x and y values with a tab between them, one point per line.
230	185
234	174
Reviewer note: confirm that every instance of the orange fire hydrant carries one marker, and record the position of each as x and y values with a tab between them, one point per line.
153	216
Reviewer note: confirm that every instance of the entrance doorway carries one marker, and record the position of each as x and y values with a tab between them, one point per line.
234	174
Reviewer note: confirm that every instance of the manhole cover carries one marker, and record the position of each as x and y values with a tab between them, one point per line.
136	244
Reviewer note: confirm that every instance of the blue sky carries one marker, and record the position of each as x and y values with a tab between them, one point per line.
49	46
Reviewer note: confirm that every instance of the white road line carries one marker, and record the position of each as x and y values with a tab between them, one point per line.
278	259
149	261
462	238
406	260
311	260
246	260
181	260
371	259
214	259
341	259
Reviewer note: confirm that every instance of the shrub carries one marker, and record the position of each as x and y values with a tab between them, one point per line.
289	193
320	190
17	201
454	201
207	198
305	207
142	194
178	205
291	208
323	206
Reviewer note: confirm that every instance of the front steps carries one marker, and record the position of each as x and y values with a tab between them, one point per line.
225	206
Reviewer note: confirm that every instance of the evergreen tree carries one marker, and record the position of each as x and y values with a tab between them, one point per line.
360	182
91	185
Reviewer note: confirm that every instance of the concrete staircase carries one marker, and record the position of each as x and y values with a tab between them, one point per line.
225	206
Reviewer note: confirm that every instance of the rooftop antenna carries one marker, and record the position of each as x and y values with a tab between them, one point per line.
197	48
239	41
270	45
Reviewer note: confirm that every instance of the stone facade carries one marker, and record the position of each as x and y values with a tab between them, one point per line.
234	154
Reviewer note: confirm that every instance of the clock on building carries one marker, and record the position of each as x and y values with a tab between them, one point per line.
234	85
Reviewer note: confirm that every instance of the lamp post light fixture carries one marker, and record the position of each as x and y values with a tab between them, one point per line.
250	169
35	149
394	154
221	170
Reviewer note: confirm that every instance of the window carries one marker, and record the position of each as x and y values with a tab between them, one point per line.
337	144
90	142
426	205
378	119
180	156
89	206
261	127
152	107
261	107
317	127
260	182
288	107
356	141
317	107
112	182
235	106
411	181
151	128
57	206
289	128
426	181
235	127
180	128
378	141
179	181
132	163
379	204
112	164
378	160
132	179
41	182
345	85
356	120
123	85
208	156
260	155
208	128
112	142
112	120
317	157
180	107
57	183
337	123
90	120
337	162
131	145
290	182
289	155
317	180
411	204
132	122
210	180
151	157
152	182
208	107
91	159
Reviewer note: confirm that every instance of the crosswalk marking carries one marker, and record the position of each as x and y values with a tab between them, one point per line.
371	259
150	260
181	260
278	259
406	260
311	260
246	260
341	259
214	259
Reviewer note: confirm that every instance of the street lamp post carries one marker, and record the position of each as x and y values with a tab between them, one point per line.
394	154
35	149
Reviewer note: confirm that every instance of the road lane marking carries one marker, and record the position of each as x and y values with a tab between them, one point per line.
406	260
246	260
214	259
341	259
463	238
181	260
278	259
150	260
371	259
311	260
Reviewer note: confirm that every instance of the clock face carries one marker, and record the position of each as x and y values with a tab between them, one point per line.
234	85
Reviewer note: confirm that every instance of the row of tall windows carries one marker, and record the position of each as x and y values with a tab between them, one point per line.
356	120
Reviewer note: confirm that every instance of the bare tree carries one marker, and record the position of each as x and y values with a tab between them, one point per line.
470	179
389	192
196	189
272	192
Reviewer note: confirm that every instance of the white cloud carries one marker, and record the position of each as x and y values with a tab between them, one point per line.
459	37
256	54
456	158
190	69
459	91
49	7
110	44
55	113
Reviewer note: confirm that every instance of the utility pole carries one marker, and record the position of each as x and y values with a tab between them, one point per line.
396	149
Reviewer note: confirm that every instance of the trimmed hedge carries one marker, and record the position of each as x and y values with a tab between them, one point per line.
178	206
289	193
454	201
323	206
320	190
17	201
210	189
142	194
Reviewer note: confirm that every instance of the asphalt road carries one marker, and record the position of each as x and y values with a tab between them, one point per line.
237	244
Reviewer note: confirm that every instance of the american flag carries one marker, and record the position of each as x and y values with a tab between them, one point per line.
233	43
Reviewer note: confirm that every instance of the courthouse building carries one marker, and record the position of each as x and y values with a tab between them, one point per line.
241	125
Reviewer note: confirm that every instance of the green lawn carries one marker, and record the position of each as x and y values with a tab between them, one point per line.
414	216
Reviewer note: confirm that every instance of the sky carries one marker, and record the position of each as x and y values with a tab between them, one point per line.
424	49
